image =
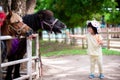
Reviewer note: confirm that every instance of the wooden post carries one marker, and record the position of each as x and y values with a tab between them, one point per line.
108	39
37	54
82	32
49	37
29	55
67	39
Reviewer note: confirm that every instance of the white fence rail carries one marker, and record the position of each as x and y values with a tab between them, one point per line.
111	37
28	59
108	37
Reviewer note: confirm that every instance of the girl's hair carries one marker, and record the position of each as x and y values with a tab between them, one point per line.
93	28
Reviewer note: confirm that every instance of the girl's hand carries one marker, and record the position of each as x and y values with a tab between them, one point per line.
100	42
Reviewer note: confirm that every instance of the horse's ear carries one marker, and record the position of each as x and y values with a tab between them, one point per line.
10	12
45	13
49	13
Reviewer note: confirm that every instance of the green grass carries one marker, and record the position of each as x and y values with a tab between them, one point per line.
66	52
58	49
110	52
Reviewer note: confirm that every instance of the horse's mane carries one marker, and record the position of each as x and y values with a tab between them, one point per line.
5	31
4	28
32	21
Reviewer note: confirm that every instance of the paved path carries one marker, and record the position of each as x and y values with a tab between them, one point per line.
76	67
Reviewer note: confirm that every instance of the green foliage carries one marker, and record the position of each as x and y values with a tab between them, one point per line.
77	12
113	17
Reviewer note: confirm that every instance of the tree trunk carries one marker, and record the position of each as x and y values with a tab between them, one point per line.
20	7
30	5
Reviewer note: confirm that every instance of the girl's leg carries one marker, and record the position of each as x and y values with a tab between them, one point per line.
100	66
92	66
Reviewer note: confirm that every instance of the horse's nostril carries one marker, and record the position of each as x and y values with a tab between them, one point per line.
29	32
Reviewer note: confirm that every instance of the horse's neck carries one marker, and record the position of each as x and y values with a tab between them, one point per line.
5	30
32	21
8	45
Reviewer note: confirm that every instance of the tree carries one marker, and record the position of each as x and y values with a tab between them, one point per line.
75	13
21	7
113	13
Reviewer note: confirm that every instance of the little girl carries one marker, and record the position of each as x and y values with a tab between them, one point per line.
94	47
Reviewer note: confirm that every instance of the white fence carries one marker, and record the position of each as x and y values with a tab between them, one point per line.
111	37
29	59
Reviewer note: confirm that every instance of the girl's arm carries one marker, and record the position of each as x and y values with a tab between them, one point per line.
99	39
76	36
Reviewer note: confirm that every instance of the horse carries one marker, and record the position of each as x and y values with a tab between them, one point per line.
14	26
41	20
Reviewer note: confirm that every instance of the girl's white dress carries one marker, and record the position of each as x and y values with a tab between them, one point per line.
95	52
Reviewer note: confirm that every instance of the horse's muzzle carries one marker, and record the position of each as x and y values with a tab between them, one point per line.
28	33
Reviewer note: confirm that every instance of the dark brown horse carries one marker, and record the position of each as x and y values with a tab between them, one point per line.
42	20
14	26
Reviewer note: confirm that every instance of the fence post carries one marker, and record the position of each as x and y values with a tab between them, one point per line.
37	54
108	39
82	32
29	55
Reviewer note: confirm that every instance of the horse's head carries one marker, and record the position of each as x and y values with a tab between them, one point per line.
49	22
14	26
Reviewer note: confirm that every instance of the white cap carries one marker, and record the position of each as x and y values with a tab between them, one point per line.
94	23
1	9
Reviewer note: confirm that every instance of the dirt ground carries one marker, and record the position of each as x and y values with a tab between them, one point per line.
76	67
